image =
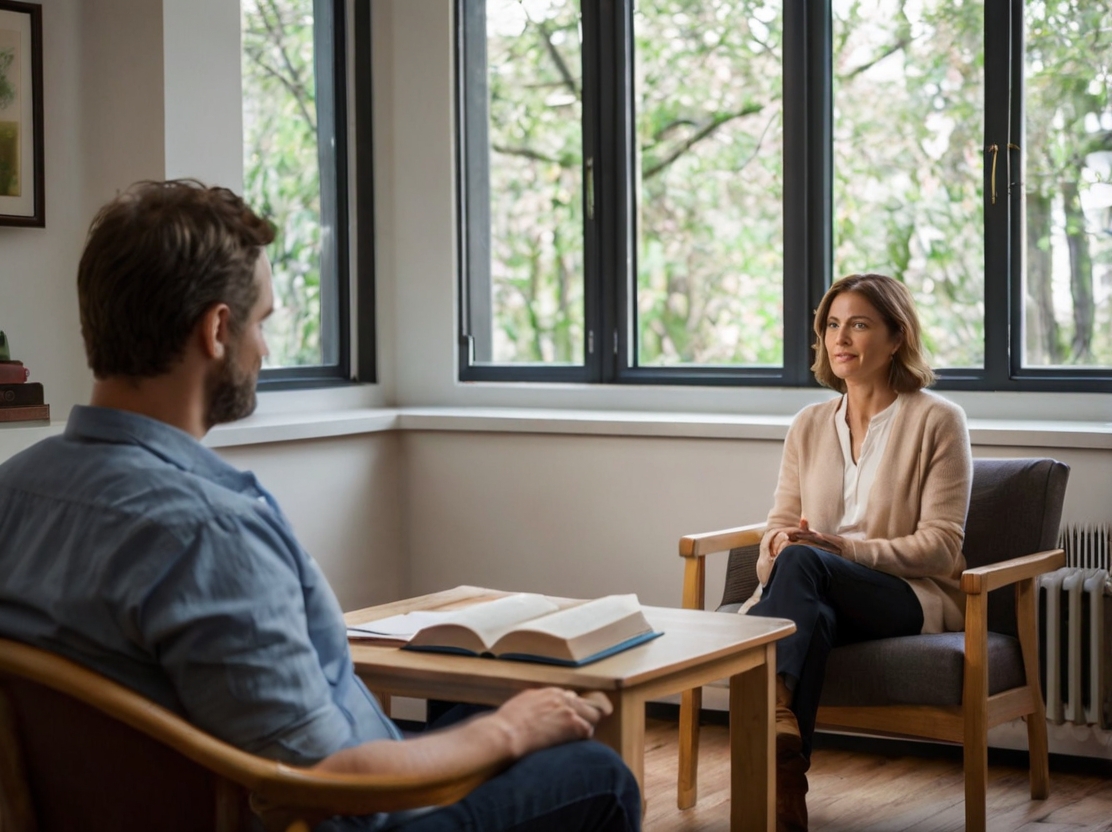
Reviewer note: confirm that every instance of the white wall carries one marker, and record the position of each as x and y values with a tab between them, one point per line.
341	497
587	515
202	95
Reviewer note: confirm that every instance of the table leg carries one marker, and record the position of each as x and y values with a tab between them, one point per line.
624	731
753	747
687	783
383	700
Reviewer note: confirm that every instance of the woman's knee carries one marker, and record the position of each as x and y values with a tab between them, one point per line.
798	557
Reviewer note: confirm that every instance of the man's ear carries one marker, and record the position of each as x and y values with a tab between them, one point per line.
214	331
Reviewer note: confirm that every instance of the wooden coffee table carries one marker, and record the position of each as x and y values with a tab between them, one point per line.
697	648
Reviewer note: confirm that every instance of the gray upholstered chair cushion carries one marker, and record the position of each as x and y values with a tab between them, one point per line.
915	670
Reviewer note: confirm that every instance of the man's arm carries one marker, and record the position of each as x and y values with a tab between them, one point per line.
530	721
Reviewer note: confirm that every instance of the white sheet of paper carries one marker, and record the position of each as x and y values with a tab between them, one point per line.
402	627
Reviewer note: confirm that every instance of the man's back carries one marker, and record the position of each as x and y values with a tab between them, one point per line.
127	546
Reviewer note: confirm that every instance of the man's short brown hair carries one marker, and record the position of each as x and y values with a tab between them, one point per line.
156	258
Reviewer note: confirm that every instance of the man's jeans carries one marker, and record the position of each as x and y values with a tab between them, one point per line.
577	786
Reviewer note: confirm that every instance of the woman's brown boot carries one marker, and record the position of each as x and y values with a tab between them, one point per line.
789	742
791	794
791	766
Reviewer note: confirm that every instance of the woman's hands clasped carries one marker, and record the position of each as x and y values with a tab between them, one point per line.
830	542
785	537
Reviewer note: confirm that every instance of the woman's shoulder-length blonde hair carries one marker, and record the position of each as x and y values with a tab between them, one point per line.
909	371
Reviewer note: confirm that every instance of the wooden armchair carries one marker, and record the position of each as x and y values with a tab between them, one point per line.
949	687
79	751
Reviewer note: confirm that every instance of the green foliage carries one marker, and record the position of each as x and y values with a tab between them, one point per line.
536	216
281	170
909	166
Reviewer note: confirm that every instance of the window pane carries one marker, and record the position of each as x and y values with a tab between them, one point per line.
281	175
1068	178
709	215
535	148
908	129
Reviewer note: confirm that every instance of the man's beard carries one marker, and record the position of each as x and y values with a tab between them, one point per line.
230	391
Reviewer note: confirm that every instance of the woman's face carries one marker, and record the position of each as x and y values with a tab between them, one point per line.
857	340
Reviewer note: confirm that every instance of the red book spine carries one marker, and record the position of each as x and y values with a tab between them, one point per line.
13	372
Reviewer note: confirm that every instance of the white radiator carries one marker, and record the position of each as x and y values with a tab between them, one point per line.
1075	612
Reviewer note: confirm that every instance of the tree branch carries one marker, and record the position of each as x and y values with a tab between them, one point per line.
529	154
557	58
902	43
293	82
706	130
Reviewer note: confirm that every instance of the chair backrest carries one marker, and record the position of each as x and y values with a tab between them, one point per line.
83	769
80	751
1015	509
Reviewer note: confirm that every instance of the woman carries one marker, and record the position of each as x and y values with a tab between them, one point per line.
864	539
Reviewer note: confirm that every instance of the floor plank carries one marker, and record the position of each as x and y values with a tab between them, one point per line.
880	788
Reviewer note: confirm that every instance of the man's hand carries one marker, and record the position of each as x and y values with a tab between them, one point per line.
531	721
536	719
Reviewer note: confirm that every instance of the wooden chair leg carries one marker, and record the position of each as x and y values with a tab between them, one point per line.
687	792
975	706
1025	598
1038	753
976	784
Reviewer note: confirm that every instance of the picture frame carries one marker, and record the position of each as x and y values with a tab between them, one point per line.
21	115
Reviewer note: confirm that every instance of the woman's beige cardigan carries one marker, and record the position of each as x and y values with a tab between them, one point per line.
916	510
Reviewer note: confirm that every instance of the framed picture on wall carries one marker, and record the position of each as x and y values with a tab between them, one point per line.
21	139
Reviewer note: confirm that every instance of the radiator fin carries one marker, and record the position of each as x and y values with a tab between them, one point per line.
1075	613
1087	546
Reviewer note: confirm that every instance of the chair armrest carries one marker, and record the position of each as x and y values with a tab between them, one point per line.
707	543
995	575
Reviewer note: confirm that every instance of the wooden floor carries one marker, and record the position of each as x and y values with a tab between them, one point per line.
883	787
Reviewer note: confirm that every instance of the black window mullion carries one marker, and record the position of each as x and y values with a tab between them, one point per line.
998	220
615	189
1013	165
366	308
820	178
474	192
808	203
596	179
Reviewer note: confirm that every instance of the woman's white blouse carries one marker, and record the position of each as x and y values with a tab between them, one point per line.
858	477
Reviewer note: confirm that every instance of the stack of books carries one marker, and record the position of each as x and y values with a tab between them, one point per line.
20	399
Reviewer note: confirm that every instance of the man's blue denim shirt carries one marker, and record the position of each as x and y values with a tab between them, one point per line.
129	547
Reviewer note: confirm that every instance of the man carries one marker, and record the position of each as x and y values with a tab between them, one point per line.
132	549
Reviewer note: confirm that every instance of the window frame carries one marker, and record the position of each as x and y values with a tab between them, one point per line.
807	208
331	69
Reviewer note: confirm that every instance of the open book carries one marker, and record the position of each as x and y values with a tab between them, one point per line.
525	627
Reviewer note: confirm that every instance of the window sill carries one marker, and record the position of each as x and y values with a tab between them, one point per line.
292	426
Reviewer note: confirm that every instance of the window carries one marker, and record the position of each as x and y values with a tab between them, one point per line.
659	191
295	174
1067	185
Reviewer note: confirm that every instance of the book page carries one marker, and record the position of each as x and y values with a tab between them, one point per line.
397	627
486	622
584	618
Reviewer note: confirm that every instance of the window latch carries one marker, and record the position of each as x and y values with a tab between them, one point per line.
589	176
